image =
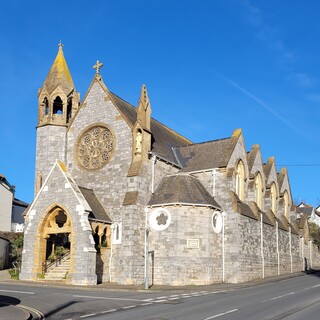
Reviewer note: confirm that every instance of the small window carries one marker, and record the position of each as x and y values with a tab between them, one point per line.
117	233
40	181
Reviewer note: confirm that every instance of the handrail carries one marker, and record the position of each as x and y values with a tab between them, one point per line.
46	266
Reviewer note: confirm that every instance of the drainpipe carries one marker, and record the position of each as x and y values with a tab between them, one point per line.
154	160
290	246
146	252
262	253
224	214
278	254
111	252
302	250
310	250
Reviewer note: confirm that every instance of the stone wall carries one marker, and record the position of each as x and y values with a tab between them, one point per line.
188	252
50	146
282	252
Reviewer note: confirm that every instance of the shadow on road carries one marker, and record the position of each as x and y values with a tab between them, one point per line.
313	272
59	308
8	301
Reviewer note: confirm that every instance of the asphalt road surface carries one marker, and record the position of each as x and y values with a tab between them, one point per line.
290	299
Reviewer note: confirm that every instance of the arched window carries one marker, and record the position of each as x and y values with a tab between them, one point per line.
39	181
57	105
286	204
240	180
258	190
117	233
274	197
69	110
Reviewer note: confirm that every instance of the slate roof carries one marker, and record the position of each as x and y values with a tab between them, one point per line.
20	203
242	207
163	138
97	209
305	210
281	224
257	211
206	155
6	182
182	189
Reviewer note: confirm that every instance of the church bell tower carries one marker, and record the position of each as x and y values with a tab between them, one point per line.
58	102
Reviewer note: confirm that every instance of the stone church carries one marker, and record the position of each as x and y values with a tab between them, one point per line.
120	197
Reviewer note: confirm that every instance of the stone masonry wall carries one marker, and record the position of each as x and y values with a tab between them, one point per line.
83	254
173	262
50	145
243	250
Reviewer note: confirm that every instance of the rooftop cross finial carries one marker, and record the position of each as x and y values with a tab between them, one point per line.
98	66
60	45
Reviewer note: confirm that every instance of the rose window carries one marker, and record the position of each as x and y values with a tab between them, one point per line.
94	147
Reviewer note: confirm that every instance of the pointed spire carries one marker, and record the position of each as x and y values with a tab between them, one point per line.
144	99
144	108
59	74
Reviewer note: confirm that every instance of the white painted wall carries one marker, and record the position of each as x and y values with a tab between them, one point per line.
4	252
6	198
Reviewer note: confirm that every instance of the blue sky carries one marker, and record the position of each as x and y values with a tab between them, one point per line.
210	66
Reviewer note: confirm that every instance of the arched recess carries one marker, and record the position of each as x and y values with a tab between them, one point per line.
40	181
286	204
240	180
56	224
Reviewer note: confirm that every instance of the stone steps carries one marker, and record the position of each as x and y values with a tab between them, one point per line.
58	273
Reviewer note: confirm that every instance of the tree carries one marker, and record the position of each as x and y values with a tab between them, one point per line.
314	231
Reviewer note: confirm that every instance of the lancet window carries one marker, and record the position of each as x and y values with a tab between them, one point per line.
240	180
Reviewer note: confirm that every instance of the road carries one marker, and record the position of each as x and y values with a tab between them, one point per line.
289	299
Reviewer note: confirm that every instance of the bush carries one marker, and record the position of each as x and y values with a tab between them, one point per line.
14	273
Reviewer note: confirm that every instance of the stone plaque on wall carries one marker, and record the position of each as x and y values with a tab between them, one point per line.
193	243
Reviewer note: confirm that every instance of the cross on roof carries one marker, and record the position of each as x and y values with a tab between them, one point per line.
60	45
98	66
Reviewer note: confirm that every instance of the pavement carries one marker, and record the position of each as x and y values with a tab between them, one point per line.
10	311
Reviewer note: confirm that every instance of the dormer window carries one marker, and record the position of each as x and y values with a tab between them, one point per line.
240	180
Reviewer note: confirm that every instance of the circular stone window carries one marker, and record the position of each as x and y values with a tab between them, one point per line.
94	147
160	219
217	222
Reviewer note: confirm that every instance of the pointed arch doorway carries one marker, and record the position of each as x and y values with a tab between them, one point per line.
54	241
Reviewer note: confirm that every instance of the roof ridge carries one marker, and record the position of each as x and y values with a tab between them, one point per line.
204	142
